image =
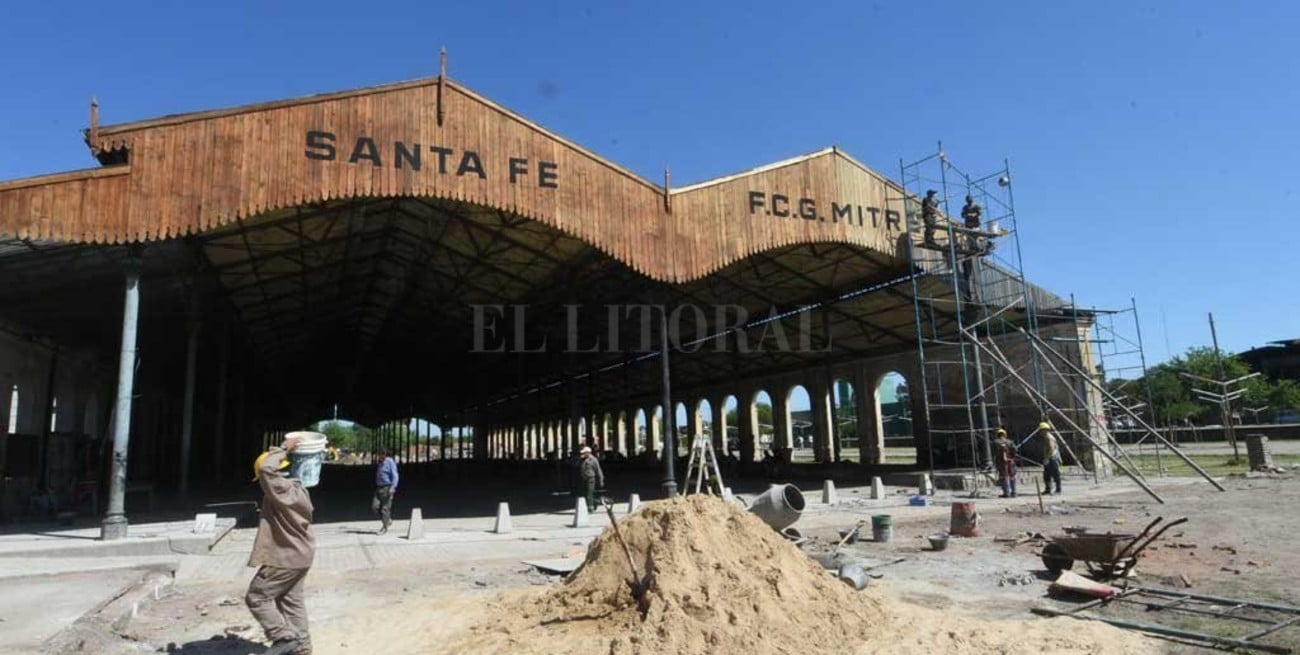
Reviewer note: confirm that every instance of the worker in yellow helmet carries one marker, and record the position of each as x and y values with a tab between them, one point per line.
1051	458
283	552
1005	457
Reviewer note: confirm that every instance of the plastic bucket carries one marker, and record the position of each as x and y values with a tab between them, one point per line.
306	467
309	443
780	506
882	527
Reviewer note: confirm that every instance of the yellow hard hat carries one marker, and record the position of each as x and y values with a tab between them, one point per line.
1002	432
1044	426
257	465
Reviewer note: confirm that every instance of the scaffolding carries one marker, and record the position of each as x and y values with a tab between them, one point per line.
995	351
972	278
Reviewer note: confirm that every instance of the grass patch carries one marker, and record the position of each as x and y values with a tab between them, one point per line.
1217	465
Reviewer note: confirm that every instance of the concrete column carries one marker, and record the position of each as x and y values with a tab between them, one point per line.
187	413
747	421
654	430
718	409
781	420
631	431
115	522
819	396
694	426
621	432
871	440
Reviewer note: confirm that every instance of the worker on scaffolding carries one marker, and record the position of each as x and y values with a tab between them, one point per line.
972	219
972	216
930	215
1006	461
1051	458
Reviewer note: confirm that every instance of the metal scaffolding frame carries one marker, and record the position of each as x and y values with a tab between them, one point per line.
986	291
987	300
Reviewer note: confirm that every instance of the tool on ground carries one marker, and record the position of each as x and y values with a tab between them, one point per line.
849	535
702	467
637	584
1107	556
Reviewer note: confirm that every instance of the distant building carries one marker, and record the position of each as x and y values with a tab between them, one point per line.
1277	360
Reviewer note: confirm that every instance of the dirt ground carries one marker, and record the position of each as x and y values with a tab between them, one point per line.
1237	543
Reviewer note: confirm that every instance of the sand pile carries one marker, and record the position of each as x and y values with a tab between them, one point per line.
722	582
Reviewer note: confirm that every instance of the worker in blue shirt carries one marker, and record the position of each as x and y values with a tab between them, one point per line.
385	486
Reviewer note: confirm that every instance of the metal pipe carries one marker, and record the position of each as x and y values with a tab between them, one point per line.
1285	609
1038	395
114	525
1169	632
187	415
219	432
1225	404
1109	437
1177	451
47	421
669	436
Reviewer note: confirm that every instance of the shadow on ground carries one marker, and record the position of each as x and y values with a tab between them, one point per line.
217	646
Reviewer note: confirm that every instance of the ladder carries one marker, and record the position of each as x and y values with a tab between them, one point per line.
702	468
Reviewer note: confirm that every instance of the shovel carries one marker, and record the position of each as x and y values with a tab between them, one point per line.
637	584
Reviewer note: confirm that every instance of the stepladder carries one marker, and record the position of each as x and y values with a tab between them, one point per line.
702	472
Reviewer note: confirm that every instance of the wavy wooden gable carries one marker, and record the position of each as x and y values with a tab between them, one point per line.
195	172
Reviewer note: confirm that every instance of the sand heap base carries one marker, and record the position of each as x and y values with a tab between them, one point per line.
722	582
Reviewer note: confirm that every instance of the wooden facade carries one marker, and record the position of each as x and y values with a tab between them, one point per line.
192	173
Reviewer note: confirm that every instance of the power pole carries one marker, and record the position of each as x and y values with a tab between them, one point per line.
1225	406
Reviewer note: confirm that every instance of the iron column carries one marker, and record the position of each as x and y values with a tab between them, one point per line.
670	430
187	418
115	523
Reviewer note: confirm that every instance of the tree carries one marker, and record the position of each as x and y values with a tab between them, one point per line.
1172	399
1284	394
764	414
342	434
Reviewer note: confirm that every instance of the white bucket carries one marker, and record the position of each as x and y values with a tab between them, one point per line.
309	443
305	460
306	467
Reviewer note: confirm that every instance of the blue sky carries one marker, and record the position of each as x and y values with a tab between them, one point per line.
1154	145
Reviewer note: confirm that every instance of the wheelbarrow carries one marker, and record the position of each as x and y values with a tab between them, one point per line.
1107	556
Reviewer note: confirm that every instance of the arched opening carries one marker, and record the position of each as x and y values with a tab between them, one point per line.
799	420
640	433
760	408
894	409
683	424
432	444
609	433
844	409
13	410
729	432
704	414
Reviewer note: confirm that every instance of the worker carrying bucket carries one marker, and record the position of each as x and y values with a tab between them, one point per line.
284	548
